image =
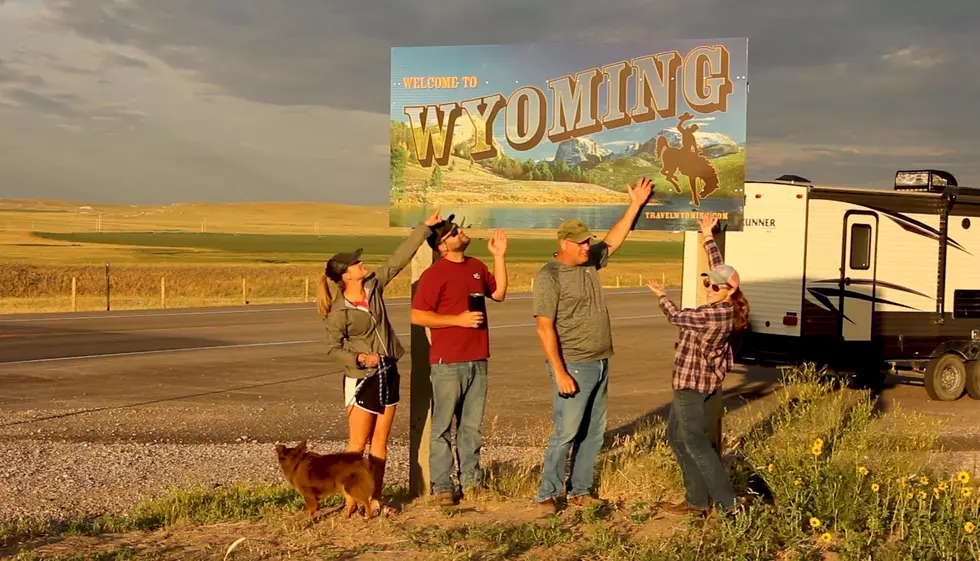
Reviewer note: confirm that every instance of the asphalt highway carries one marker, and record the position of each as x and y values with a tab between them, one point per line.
259	373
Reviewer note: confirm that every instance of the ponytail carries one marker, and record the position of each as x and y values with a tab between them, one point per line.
741	310
323	296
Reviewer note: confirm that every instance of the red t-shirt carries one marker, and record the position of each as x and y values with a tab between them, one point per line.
444	288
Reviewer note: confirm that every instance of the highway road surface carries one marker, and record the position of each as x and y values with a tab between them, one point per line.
259	373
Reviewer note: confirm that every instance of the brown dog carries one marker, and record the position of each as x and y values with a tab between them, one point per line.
317	475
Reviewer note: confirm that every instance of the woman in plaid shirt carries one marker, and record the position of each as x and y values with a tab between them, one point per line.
702	359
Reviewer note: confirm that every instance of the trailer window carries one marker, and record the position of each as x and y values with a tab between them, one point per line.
860	246
966	303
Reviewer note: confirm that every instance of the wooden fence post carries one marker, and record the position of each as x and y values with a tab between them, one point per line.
306	297
163	292
244	293
420	412
74	294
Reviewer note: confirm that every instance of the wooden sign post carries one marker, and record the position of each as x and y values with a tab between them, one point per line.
420	408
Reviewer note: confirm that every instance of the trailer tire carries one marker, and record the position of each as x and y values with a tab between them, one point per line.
973	379
946	377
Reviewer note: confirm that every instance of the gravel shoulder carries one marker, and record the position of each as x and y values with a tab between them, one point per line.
62	480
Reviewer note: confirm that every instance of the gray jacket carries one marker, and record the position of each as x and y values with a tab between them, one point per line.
351	331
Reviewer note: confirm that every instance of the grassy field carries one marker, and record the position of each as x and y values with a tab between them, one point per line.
47	288
298	248
832	479
278	248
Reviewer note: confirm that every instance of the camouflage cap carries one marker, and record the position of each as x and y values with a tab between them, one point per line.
574	230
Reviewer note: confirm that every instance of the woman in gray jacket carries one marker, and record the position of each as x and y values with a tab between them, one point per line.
360	337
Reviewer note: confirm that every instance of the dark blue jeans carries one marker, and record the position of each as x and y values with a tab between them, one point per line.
579	425
705	478
459	389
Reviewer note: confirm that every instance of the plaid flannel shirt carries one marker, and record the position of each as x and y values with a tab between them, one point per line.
704	356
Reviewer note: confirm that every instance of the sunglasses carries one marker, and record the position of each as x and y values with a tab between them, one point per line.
452	233
714	287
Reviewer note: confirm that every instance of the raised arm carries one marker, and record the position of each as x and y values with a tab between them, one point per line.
638	198
497	282
714	254
707	224
403	255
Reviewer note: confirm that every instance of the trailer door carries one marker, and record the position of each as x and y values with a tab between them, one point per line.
857	282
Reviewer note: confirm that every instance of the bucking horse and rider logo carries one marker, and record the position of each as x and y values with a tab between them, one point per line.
689	161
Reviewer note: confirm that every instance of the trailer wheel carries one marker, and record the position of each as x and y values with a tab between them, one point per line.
946	377
973	379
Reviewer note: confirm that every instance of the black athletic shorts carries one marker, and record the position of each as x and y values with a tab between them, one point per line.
375	392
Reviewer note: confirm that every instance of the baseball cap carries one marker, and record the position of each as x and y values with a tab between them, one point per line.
723	274
338	264
439	231
574	230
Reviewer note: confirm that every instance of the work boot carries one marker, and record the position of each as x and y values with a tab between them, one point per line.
378	470
547	507
445	498
683	509
584	500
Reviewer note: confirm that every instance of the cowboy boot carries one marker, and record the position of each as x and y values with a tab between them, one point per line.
378	470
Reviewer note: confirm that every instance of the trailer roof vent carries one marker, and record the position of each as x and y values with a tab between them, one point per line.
928	180
793	178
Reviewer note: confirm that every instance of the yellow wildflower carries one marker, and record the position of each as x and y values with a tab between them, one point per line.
908	495
923	480
863	470
816	450
922	494
969	527
875	487
799	481
771	468
826	537
935	492
818	442
966	491
943	486
963	477
814	522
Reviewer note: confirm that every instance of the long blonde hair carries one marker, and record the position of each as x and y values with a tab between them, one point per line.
324	298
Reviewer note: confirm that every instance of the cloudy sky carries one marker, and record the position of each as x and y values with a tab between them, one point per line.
158	101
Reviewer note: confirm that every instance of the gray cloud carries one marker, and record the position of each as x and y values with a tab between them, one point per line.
117	59
842	91
42	104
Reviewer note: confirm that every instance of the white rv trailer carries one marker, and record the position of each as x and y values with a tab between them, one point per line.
859	278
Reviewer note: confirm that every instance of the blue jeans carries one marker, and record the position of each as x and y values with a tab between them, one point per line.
459	389
579	426
705	478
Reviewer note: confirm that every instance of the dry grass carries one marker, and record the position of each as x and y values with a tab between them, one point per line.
825	503
18	217
47	288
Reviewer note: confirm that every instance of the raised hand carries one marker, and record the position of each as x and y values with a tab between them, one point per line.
707	223
657	288
497	245
433	219
642	191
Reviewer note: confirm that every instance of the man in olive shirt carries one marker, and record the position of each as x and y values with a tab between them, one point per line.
574	331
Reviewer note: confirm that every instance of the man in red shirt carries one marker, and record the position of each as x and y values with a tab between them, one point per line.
450	300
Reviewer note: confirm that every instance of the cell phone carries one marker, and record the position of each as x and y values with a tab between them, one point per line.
478	303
